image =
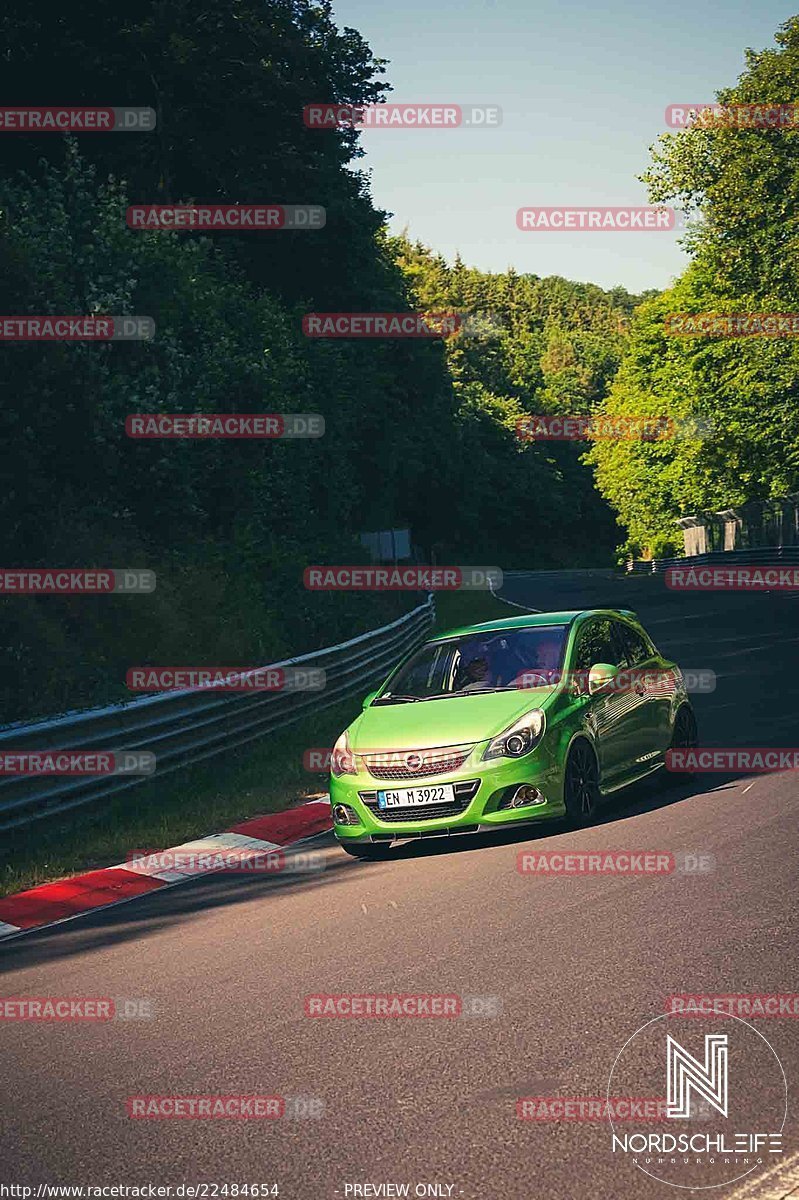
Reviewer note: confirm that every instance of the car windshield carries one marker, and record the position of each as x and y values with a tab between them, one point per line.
480	662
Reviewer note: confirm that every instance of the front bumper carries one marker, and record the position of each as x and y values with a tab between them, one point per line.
480	788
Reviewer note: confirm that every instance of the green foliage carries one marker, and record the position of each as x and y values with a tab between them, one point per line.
743	184
229	83
540	346
418	433
227	526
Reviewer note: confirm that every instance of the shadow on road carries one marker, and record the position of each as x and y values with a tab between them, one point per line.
750	641
647	796
147	915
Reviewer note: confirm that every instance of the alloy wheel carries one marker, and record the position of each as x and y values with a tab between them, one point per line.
581	788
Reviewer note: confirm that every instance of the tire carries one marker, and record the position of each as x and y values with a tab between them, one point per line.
684	736
581	785
368	851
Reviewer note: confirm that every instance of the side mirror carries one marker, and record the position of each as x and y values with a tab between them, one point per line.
367	700
600	677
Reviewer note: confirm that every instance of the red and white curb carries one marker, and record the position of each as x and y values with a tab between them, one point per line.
53	903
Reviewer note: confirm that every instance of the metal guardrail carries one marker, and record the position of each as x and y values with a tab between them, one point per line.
767	556
185	727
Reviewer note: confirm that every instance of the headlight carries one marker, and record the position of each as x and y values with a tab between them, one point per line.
342	760
519	738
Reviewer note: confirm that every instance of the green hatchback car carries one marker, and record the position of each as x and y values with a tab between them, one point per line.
526	719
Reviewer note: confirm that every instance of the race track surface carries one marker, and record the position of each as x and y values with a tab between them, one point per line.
576	963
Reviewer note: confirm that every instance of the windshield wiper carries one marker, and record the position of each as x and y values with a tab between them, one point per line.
503	687
399	699
471	692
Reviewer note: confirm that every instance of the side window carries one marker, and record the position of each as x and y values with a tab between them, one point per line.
635	648
597	645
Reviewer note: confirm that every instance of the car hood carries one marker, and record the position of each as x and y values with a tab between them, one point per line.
451	722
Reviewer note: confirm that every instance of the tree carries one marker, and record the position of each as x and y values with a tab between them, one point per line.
742	183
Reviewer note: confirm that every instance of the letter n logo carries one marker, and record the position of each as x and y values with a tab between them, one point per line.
708	1079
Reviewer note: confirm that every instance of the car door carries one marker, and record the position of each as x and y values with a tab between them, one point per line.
605	712
642	718
659	678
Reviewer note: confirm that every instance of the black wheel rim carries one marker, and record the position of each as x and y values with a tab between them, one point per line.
582	781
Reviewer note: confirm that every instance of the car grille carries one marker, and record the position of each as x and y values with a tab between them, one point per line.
465	792
416	764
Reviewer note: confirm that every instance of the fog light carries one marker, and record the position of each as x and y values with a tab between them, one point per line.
523	797
344	815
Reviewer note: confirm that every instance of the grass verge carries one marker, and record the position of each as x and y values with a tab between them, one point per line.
266	776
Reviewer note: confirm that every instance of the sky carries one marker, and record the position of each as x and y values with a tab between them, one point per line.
583	91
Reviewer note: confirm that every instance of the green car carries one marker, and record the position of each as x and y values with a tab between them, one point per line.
519	720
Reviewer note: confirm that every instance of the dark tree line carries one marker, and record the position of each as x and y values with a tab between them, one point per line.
419	433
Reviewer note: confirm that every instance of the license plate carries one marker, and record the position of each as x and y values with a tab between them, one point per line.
442	793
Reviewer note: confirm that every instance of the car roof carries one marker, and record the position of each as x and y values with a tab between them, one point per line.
535	621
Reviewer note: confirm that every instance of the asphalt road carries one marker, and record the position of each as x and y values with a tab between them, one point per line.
576	963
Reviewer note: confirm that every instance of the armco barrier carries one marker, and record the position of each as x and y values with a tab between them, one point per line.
767	556
181	728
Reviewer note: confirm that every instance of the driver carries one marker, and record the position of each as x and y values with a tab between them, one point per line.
476	675
544	671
